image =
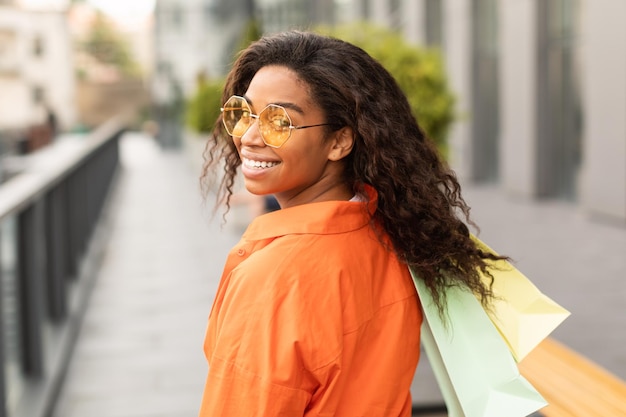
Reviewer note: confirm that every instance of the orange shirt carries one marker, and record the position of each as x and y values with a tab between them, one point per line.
313	317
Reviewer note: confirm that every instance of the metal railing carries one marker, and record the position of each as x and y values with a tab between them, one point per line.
48	215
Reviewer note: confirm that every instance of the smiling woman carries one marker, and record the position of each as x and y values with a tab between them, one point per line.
316	313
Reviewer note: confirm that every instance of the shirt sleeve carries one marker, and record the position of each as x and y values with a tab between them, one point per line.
233	391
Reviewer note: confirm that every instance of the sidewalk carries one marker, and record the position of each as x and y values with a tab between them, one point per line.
139	353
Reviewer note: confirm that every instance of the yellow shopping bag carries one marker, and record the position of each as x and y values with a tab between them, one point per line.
523	315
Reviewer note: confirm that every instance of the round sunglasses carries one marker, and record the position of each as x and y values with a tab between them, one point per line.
275	124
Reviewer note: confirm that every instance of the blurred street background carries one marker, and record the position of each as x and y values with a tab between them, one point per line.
110	257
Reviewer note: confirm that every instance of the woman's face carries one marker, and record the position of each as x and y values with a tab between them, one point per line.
304	169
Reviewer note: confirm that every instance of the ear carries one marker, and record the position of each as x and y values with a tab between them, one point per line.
341	144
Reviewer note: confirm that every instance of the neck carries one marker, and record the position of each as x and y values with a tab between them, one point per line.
322	191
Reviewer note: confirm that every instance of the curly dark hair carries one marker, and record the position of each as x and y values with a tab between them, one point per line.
420	206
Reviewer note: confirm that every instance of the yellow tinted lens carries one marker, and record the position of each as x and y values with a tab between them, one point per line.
236	116
275	125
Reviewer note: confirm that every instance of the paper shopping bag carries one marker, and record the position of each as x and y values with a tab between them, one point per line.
472	363
453	405
523	315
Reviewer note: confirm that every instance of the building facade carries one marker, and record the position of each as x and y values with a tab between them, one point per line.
541	92
194	38
36	68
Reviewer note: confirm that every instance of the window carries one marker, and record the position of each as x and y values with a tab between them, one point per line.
38	94
38	46
558	99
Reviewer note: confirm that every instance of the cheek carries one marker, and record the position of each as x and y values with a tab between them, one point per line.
308	159
237	142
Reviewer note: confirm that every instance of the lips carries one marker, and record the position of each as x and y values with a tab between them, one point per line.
255	164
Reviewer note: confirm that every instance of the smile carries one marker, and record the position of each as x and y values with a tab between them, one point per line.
259	164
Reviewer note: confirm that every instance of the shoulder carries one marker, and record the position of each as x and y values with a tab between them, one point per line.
317	270
313	255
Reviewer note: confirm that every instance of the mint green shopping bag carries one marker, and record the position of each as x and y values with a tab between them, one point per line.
475	370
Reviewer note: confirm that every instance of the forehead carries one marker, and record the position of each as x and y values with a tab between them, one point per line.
278	85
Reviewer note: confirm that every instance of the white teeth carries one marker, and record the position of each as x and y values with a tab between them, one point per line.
259	164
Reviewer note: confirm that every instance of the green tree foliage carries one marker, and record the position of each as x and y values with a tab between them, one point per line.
203	108
419	72
105	44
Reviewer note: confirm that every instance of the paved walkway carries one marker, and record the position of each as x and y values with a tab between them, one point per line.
139	352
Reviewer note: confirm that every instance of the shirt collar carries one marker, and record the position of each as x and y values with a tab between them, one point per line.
326	217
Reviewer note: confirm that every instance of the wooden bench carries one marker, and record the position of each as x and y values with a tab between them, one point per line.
571	384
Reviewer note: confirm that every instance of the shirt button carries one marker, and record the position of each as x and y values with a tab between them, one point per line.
241	252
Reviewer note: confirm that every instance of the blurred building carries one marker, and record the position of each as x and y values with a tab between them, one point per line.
541	92
36	67
194	38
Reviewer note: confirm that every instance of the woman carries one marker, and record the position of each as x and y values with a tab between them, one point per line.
316	313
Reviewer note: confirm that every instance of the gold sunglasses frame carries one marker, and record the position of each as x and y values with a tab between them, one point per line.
291	127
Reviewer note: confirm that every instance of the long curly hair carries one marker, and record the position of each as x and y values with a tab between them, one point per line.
420	206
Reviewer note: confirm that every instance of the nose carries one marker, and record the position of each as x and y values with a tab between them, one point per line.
252	136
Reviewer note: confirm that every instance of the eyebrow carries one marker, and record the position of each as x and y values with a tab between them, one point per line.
287	105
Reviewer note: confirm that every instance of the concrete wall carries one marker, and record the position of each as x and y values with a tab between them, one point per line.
414	14
458	48
603	175
381	13
518	67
